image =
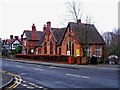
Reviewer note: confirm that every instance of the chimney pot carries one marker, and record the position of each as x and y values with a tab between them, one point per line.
44	27
33	27
11	36
79	21
49	25
16	37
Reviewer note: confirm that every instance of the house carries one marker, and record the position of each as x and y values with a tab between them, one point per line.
30	39
75	39
12	43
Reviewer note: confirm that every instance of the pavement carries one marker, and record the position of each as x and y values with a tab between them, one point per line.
71	66
5	79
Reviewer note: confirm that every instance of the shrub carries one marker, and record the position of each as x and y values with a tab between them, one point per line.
56	58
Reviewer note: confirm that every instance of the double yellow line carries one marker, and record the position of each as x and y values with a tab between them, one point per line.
17	80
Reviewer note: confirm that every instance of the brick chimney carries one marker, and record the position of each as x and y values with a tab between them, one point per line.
79	21
16	37
44	28
11	36
48	27
33	32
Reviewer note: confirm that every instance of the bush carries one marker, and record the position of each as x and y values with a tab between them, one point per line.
93	60
75	59
56	58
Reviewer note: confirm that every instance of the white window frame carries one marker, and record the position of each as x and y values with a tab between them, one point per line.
98	51
89	53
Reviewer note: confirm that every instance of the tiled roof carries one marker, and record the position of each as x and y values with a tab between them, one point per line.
58	34
28	33
41	38
93	36
10	41
86	33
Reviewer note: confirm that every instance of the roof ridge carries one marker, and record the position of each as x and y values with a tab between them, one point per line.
27	30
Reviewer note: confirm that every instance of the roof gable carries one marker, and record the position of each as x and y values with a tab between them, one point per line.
16	41
86	33
58	34
28	34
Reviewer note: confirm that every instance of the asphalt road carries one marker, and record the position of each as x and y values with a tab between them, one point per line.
37	76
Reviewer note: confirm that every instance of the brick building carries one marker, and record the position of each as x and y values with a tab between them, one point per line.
73	40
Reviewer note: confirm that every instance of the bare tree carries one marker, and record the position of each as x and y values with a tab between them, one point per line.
112	40
75	10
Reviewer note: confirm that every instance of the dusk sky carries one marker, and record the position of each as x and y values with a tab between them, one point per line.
19	15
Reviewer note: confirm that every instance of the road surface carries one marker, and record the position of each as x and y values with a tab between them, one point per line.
39	76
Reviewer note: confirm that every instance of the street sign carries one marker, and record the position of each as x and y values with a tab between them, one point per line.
68	52
77	52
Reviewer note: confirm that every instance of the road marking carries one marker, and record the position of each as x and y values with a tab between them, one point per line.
25	85
18	66
24	81
85	77
38	69
77	76
31	83
23	73
30	87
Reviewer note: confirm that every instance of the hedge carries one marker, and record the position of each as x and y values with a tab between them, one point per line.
58	58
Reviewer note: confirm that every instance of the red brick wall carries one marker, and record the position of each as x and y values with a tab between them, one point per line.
70	37
29	45
48	39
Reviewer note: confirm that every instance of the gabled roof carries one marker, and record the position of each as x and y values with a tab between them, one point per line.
58	34
15	40
41	38
28	34
86	33
10	41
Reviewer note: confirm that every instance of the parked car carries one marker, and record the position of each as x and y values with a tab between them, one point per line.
113	59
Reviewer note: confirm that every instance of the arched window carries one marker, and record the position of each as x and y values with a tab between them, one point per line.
59	50
39	50
45	47
72	49
66	48
51	48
